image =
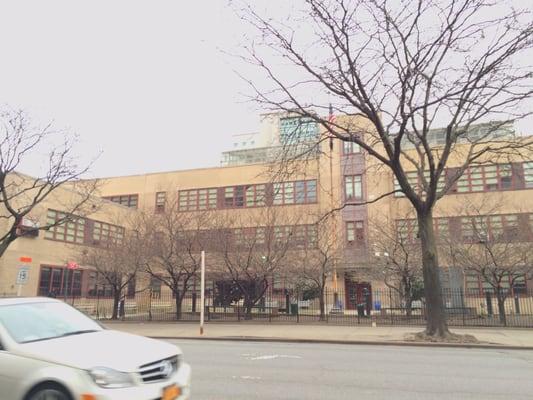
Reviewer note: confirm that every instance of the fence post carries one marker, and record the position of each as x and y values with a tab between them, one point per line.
297	306
390	308
463	306
326	306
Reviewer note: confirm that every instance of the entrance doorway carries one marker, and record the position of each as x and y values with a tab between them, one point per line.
358	293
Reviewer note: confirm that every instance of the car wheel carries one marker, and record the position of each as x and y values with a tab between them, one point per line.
48	392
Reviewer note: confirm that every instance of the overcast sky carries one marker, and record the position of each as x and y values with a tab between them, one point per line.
143	82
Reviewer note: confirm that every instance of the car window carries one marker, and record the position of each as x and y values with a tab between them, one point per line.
44	320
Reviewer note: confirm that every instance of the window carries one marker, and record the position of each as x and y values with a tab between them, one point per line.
417	184
528	174
486	178
355	232
98	286
353	187
128	200
493	227
442	227
299	192
520	284
304	235
104	233
60	281
71	231
350	148
244	196
406	230
197	199
132	288
160	201
282	233
473	229
155	287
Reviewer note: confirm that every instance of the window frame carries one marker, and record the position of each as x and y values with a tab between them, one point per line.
352	179
64	274
160	202
131	200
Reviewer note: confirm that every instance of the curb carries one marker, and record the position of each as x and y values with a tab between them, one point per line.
347	342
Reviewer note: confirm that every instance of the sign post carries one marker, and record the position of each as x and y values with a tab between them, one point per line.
202	293
22	278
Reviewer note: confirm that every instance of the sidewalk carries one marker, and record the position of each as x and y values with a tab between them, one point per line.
488	337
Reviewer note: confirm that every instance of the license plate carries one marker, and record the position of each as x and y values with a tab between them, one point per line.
171	393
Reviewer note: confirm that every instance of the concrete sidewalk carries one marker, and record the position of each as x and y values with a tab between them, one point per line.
488	337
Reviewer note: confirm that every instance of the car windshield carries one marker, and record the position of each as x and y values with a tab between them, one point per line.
31	322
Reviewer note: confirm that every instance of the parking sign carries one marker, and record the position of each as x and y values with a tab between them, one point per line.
23	275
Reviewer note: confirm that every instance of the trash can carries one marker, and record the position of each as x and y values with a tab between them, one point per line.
294	308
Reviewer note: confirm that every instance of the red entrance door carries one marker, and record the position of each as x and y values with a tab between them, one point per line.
358	293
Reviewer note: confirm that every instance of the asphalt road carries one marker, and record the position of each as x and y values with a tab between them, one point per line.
279	371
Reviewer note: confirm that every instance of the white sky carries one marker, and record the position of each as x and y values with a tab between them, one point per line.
144	81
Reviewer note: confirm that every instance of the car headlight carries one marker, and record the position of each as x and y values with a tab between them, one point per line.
110	379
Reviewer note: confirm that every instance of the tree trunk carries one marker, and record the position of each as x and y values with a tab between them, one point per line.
436	324
179	300
501	307
408	305
116	303
248	306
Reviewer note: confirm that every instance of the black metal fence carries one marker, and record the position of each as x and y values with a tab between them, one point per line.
382	307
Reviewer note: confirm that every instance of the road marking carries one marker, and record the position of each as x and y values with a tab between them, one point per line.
272	357
247	377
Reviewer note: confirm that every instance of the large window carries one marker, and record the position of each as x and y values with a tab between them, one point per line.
98	286
155	287
60	281
197	199
104	233
486	178
350	148
245	196
305	236
355	232
493	228
298	192
416	183
128	200
353	188
528	174
160	201
72	230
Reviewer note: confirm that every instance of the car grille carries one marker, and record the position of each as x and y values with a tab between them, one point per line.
158	370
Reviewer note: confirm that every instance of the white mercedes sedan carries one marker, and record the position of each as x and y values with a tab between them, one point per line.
51	351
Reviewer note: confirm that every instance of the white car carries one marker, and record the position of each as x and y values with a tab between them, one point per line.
51	351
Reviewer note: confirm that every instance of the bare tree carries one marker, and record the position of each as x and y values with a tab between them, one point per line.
495	247
21	195
398	258
117	262
405	68
313	261
175	240
251	249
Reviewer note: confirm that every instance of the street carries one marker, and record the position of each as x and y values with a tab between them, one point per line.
255	370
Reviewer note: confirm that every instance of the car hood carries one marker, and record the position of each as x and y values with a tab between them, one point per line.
117	350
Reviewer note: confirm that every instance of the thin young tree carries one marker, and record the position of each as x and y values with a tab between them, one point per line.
405	68
117	261
20	194
495	247
397	258
251	249
314	258
175	240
